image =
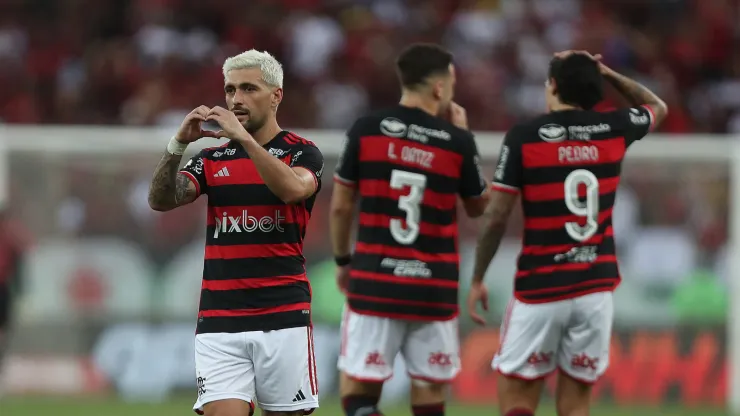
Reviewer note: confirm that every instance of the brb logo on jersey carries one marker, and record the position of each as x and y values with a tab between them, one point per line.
638	118
247	223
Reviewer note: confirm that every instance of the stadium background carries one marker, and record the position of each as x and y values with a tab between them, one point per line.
106	312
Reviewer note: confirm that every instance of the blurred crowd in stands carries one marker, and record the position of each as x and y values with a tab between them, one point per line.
148	62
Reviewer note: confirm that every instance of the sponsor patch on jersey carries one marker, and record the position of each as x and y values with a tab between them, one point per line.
501	166
585	132
277	152
638	118
393	127
552	133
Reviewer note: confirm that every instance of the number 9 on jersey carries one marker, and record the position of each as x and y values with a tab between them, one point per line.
587	208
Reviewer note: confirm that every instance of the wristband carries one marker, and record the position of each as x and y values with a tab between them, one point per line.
176	148
343	260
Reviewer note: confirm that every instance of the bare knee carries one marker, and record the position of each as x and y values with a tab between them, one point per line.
519	394
572	397
349	386
228	407
359	397
425	392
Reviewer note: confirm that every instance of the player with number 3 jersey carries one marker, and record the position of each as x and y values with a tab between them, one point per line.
407	166
565	165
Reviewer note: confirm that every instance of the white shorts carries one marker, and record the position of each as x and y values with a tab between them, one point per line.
370	344
572	335
276	368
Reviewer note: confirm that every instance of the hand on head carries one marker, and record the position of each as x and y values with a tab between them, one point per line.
598	57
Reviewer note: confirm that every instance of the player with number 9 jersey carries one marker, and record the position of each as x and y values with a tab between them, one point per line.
565	165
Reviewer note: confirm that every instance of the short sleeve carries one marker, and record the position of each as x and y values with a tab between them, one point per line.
310	158
472	182
637	122
508	175
195	171
347	171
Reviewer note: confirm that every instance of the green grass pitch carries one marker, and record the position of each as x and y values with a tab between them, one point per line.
181	407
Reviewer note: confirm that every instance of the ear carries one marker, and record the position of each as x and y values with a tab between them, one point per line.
276	98
438	89
553	86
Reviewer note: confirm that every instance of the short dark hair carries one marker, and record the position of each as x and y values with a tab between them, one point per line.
578	80
420	61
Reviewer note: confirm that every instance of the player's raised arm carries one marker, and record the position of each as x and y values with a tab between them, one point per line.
170	189
292	184
637	94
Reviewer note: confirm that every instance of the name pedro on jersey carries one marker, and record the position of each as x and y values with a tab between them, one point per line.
578	154
412	155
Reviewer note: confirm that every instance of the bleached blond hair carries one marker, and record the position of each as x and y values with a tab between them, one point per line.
272	70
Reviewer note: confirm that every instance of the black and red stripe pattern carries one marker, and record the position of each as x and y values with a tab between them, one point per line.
541	275
253	275
415	279
567	166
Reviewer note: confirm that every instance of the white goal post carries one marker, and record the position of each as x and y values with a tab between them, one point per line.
686	148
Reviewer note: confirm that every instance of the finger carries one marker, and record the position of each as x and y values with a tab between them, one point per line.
213	112
202	110
484	302
211	133
598	57
477	318
195	115
214	117
218	110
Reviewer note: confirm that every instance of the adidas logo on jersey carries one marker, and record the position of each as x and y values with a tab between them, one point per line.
221	173
299	396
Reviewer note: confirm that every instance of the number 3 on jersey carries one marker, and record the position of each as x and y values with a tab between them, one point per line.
587	208
409	204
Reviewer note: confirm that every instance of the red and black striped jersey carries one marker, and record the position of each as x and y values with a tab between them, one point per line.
254	276
566	165
409	168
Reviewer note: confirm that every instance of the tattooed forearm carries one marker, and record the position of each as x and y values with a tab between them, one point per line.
167	189
181	189
488	244
494	228
633	91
